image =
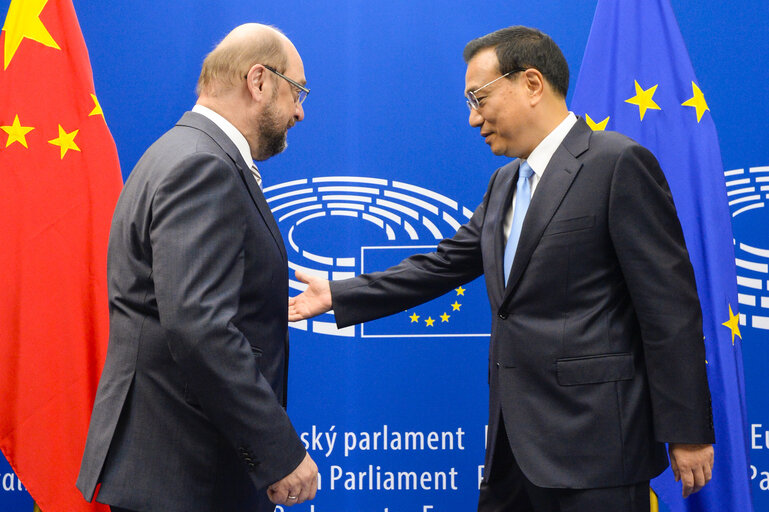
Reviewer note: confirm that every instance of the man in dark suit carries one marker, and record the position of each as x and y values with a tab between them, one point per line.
596	354
190	410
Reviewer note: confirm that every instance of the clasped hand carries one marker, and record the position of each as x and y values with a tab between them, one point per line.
298	486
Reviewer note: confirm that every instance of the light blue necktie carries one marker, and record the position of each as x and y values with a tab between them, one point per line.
522	200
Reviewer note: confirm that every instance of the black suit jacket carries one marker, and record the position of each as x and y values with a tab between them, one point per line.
596	355
189	414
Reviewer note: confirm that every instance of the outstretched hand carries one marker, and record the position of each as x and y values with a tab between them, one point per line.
316	299
692	464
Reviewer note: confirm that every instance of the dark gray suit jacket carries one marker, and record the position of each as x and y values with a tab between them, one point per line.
189	414
597	353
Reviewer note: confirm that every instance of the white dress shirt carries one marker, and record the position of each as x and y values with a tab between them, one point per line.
234	135
538	160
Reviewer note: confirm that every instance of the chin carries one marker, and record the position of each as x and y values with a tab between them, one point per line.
497	151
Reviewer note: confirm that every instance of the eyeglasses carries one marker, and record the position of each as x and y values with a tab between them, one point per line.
303	91
472	101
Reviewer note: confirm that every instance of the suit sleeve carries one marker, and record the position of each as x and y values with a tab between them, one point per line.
649	243
416	279
196	233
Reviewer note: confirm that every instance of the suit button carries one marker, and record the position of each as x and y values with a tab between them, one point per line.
498	365
502	316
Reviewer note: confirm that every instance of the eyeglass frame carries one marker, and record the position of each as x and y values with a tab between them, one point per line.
474	103
302	89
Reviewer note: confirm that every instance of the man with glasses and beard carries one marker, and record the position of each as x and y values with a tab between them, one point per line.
190	410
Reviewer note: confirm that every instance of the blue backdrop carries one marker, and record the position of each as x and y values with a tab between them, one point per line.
394	413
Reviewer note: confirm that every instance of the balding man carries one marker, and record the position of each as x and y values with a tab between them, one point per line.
190	410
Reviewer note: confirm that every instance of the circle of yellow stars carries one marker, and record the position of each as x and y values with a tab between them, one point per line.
644	100
430	321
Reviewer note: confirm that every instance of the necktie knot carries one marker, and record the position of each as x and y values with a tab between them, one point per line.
525	171
257	176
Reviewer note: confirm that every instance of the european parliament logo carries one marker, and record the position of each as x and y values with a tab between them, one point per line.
748	192
339	226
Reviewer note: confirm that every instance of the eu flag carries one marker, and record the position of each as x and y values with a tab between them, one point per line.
636	78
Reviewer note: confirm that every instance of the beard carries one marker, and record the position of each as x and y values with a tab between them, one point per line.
272	136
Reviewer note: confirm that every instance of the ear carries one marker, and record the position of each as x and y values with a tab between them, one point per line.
255	80
534	84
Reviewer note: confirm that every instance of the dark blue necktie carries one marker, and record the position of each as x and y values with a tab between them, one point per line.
522	200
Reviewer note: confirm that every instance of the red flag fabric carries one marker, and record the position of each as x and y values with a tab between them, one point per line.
59	181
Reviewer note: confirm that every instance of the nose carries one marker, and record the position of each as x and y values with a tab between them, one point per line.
475	119
299	112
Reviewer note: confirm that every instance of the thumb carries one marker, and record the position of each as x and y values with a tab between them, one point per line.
301	276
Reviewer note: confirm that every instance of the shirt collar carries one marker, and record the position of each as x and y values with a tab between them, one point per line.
230	131
540	157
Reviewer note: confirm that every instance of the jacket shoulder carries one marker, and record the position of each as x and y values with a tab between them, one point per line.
611	141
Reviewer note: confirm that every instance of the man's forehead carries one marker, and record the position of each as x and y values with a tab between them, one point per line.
484	66
295	67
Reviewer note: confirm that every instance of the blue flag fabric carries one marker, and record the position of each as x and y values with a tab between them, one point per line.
637	79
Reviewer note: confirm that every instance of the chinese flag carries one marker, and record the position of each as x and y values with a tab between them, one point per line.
59	181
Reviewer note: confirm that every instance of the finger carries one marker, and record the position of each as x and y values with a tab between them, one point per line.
280	494
699	479
273	496
302	496
301	276
313	487
292	498
310	488
687	483
708	471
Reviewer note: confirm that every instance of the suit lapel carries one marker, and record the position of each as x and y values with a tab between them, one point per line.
555	183
261	204
201	122
504	199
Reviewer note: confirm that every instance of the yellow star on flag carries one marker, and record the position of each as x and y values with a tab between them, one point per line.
643	98
456	306
65	141
429	321
23	21
96	107
698	102
596	127
460	291
733	323
414	318
17	133
445	317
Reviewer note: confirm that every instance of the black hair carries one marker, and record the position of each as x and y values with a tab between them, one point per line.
525	47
